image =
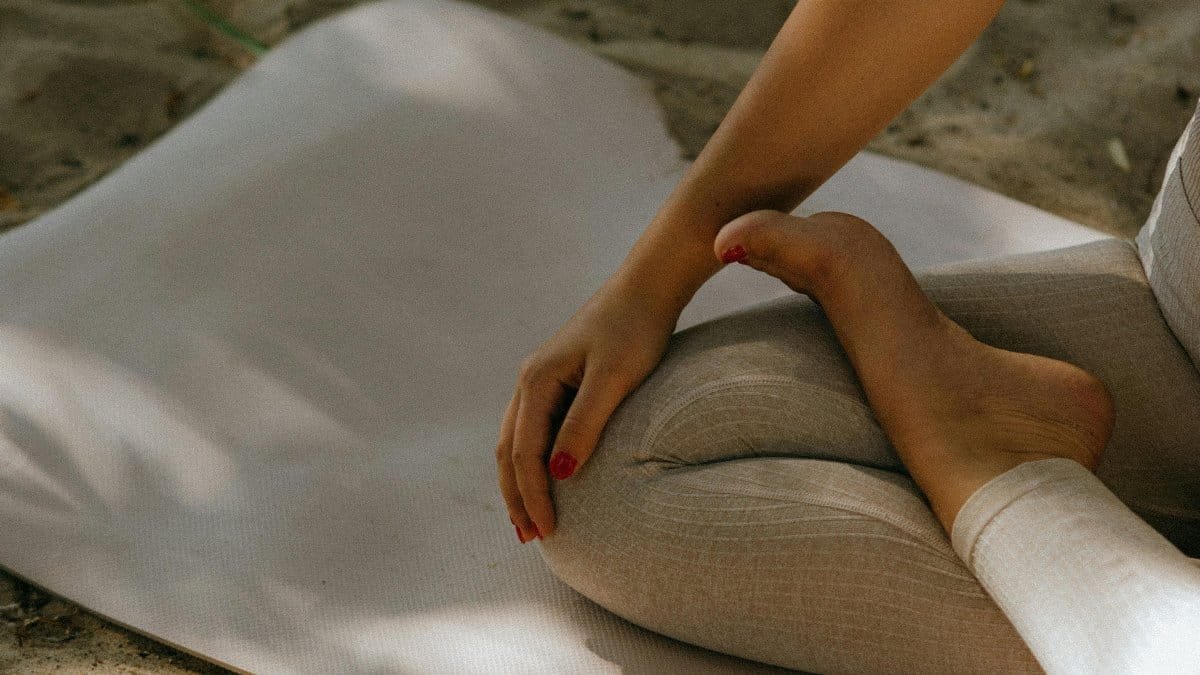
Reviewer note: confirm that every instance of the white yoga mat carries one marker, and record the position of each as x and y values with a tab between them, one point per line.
251	382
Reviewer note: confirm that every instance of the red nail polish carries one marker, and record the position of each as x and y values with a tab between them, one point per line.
562	465
537	534
734	254
520	537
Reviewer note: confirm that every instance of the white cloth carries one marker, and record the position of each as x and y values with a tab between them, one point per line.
1145	236
1090	587
1169	242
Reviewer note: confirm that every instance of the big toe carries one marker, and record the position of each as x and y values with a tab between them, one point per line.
772	242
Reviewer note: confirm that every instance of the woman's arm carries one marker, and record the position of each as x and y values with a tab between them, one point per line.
835	75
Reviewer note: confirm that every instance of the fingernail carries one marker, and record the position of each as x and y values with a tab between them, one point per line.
562	465
537	534
520	536
734	254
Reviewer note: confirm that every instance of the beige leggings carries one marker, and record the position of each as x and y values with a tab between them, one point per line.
744	499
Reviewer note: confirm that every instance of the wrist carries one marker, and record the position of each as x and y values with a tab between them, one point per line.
662	291
666	270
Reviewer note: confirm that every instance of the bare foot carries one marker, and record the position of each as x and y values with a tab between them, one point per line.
958	412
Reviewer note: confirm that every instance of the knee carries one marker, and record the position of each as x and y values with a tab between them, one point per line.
767	382
653	434
591	513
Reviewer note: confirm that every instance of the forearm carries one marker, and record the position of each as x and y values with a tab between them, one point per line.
1089	586
837	72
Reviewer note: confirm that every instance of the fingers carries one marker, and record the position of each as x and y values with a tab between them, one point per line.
525	434
506	474
594	403
531	437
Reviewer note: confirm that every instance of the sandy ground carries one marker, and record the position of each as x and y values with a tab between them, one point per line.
1071	105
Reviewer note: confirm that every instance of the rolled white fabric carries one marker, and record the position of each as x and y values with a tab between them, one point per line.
1090	586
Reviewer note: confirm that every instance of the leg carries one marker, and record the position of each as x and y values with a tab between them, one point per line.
960	412
714	512
1087	584
649	530
1090	306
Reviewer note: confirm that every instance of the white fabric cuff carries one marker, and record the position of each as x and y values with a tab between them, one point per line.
1089	585
982	507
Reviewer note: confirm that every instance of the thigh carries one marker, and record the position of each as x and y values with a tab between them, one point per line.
768	381
744	499
815	565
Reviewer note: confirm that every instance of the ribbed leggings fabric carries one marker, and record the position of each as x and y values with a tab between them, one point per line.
743	498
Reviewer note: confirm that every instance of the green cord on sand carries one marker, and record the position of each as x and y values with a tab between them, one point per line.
227	28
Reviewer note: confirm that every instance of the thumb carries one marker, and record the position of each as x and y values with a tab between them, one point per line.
594	403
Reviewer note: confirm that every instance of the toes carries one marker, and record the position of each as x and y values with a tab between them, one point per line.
752	237
806	253
771	242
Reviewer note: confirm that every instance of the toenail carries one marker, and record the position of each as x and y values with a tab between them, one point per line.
734	254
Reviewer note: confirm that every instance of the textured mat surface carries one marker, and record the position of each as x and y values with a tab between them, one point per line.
250	383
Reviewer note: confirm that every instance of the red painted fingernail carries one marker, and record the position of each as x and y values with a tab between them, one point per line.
734	254
520	536
562	465
537	534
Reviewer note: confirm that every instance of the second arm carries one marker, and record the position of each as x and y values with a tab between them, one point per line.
835	75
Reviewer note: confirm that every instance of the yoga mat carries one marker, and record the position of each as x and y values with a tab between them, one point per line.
251	382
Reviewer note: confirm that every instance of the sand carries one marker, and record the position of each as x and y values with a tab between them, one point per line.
1072	106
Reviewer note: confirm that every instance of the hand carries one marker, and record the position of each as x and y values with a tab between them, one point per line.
579	376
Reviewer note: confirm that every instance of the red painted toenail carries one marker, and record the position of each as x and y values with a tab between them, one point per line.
734	254
562	465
